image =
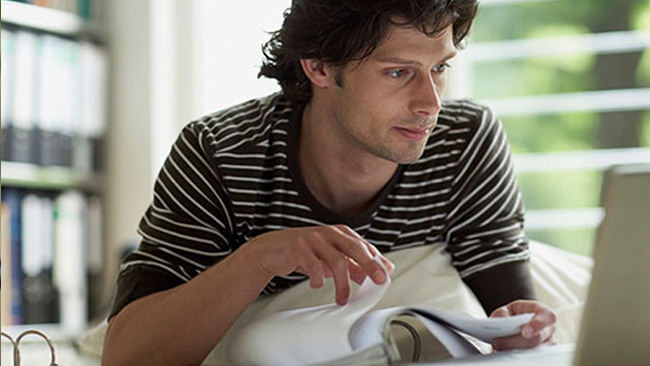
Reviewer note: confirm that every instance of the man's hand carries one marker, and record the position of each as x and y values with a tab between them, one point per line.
318	252
539	330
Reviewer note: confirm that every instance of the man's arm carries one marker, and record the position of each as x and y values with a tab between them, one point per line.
485	225
486	234
502	284
181	325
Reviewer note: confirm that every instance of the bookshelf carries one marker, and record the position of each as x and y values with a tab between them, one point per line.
24	175
49	20
54	81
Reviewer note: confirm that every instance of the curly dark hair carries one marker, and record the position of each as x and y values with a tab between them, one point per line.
340	31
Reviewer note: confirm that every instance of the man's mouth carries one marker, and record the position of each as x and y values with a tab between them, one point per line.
414	133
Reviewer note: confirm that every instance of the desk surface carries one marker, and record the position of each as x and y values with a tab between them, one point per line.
561	355
36	353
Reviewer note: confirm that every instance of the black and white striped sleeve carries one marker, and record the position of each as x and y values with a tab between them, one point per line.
187	228
485	226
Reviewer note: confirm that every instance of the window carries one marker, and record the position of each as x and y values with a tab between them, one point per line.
570	80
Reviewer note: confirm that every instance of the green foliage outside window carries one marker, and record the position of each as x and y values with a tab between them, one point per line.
569	73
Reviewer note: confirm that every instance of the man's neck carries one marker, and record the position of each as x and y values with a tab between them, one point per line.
342	177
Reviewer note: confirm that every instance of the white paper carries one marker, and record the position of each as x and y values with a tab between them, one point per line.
484	329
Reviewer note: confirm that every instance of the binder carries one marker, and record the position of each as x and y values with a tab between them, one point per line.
39	296
12	198
69	271
6	105
94	257
88	145
57	100
23	136
16	345
5	253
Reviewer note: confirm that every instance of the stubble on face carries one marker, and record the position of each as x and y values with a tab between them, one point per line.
377	113
349	119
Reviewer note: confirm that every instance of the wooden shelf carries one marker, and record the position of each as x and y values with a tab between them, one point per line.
31	176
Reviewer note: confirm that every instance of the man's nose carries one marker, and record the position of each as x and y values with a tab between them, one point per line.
426	100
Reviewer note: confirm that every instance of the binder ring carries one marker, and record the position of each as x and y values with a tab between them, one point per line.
13	343
21	336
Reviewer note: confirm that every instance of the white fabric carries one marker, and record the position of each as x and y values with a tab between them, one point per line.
326	337
561	280
424	275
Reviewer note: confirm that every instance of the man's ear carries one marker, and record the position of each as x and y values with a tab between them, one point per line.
320	74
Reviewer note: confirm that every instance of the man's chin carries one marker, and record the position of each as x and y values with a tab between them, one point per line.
405	158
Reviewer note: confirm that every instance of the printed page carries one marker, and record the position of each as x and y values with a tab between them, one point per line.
484	329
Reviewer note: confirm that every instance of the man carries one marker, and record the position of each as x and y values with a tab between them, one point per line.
355	157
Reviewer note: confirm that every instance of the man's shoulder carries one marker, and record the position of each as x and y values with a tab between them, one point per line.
466	117
460	121
456	111
249	121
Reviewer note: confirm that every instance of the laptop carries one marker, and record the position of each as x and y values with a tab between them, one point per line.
615	328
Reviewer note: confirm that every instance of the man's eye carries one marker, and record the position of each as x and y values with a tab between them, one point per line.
440	68
397	73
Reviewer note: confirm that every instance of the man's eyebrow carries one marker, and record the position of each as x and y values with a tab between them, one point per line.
402	61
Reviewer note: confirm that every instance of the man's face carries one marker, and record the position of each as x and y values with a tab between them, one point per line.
388	103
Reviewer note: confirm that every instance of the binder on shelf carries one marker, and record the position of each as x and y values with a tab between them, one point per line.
12	199
69	272
6	105
88	146
22	133
39	297
5	233
57	100
94	256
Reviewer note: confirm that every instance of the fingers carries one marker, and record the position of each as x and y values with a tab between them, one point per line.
356	273
519	341
323	251
543	319
539	330
338	265
500	312
516	342
390	267
314	270
352	245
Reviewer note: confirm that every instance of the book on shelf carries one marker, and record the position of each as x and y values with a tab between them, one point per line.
354	334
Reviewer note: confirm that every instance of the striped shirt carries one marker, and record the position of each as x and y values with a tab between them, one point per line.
234	175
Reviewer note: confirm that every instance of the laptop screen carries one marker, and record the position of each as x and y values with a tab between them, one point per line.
616	321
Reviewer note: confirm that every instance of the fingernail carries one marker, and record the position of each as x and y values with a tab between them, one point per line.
527	331
379	276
